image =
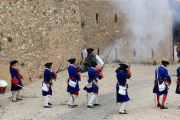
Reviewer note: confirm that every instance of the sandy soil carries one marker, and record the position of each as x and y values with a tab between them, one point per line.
140	107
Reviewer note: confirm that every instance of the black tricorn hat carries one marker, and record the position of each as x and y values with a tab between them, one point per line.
165	63
13	62
72	60
93	64
123	66
48	65
90	50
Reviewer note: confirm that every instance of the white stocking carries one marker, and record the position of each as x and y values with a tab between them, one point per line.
122	106
47	100
93	97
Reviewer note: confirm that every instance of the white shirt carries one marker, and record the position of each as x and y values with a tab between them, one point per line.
85	54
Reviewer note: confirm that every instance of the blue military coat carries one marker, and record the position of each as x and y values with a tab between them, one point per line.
92	74
121	80
73	75
178	79
161	73
48	75
15	75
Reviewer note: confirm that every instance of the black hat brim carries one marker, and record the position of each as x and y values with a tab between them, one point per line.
13	62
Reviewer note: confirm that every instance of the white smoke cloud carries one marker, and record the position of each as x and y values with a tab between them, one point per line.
148	21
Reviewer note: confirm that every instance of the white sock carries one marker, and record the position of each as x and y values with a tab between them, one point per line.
18	94
14	95
122	106
96	100
93	97
71	99
47	100
74	96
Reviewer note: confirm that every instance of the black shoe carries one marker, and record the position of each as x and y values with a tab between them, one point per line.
97	104
163	107
158	105
89	106
19	99
47	106
14	101
123	112
73	106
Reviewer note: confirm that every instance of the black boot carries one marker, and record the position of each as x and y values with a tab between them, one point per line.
158	105
97	104
89	106
123	112
47	106
163	107
49	103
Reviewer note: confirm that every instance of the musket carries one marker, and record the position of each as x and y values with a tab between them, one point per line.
26	89
106	59
79	65
59	67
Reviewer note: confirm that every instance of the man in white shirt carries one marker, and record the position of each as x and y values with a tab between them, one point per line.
89	56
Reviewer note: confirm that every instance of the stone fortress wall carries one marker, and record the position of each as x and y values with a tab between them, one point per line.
39	31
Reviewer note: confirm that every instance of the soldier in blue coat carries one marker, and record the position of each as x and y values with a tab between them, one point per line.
48	76
160	87
73	86
122	75
178	82
92	85
15	81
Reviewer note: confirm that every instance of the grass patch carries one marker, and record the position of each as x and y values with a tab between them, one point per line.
117	61
154	63
149	63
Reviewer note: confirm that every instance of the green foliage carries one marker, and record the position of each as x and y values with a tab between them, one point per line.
154	63
40	76
117	61
149	63
55	11
74	11
22	64
82	24
9	39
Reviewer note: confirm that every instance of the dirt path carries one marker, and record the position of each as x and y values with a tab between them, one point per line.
141	105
